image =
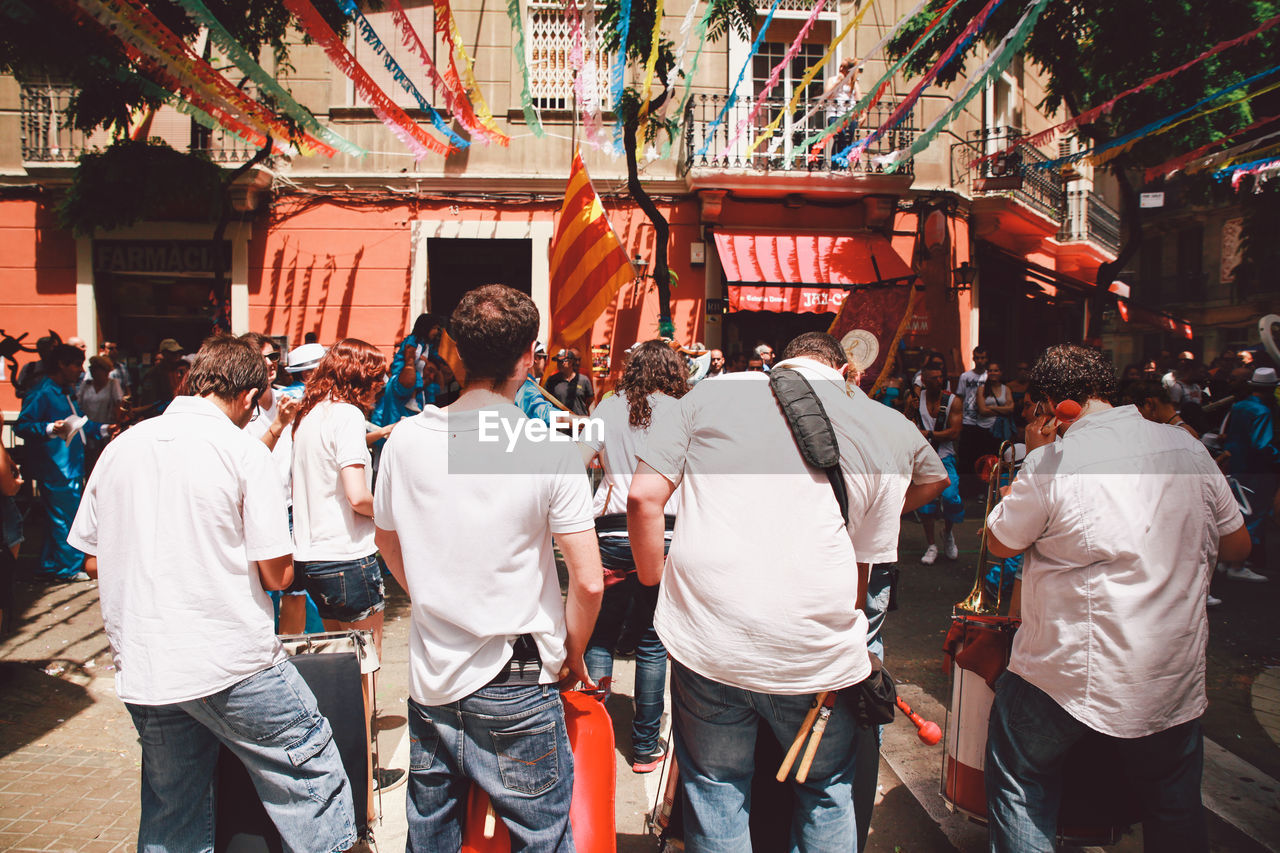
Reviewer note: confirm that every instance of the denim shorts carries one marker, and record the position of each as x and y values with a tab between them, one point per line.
345	590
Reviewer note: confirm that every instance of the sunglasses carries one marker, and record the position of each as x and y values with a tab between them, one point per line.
272	357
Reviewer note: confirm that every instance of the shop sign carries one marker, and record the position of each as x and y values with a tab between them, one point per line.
152	257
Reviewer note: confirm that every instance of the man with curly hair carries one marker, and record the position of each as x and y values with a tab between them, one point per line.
1120	520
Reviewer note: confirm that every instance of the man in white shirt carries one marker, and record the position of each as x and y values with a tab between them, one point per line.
185	534
1121	521
467	502
759	603
975	440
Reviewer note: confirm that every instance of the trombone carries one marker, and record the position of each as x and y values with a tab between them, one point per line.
983	600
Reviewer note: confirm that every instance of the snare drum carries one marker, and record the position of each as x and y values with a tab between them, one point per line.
1097	806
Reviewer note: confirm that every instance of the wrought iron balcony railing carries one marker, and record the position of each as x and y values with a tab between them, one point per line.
1009	174
710	146
1089	218
48	137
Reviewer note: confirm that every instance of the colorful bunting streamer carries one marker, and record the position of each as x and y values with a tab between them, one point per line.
620	63
815	142
587	82
813	70
406	130
351	10
677	67
151	43
526	98
1166	122
455	97
700	38
1183	160
1092	114
1239	173
776	74
733	92
996	63
264	81
181	104
447	28
957	48
655	41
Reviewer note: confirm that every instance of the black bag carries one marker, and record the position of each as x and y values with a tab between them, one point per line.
875	698
811	428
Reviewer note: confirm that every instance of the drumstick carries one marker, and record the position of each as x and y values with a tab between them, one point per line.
927	730
490	820
824	716
800	736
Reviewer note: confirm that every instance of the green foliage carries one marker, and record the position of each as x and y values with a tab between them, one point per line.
40	39
132	181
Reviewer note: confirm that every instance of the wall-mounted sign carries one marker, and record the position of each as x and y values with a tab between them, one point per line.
158	257
1151	200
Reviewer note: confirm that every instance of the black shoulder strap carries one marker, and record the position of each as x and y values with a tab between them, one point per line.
944	411
811	428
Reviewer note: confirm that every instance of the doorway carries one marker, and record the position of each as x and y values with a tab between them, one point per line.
744	329
458	264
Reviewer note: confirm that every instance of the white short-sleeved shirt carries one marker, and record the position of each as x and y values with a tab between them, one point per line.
282	453
325	527
475	518
967	388
177	512
619	444
760	587
1121	519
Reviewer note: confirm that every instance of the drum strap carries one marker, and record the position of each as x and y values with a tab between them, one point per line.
811	428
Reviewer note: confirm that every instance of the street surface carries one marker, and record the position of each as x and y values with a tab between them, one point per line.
69	760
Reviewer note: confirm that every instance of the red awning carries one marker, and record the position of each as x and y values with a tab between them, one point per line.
804	273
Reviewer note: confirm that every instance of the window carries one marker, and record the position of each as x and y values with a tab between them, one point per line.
549	42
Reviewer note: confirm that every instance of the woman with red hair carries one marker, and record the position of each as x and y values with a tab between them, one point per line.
332	488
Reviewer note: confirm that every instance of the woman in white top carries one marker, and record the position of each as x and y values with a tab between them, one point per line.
995	405
332	488
100	394
652	381
841	93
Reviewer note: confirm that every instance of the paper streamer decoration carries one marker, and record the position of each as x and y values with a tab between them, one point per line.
1178	163
997	62
700	38
264	81
957	48
180	104
588	83
655	41
1166	122
813	71
815	142
170	58
620	63
1257	167
776	74
526	98
733	92
447	28
677	67
406	130
455	97
1090	115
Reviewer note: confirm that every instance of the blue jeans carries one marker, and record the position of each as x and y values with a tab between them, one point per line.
270	721
1027	740
512	742
950	505
715	743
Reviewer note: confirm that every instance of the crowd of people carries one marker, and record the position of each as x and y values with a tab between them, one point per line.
712	545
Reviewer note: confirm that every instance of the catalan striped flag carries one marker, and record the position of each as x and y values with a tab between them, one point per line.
588	262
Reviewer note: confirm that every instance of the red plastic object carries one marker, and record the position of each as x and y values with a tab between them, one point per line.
1067	411
594	785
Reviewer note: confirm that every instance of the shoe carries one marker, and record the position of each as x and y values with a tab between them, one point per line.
930	556
1212	601
1244	573
952	552
388	779
78	577
648	763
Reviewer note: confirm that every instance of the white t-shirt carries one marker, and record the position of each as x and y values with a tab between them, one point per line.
760	587
1121	519
325	527
101	406
475	521
1181	392
619	447
967	390
282	453
177	511
902	457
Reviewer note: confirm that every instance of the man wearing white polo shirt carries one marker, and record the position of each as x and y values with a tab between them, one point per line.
1121	521
185	534
468	500
760	605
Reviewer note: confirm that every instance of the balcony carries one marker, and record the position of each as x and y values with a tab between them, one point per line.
782	160
1010	175
47	138
1090	219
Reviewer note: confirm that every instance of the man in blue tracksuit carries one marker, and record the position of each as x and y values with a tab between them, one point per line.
529	397
49	415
